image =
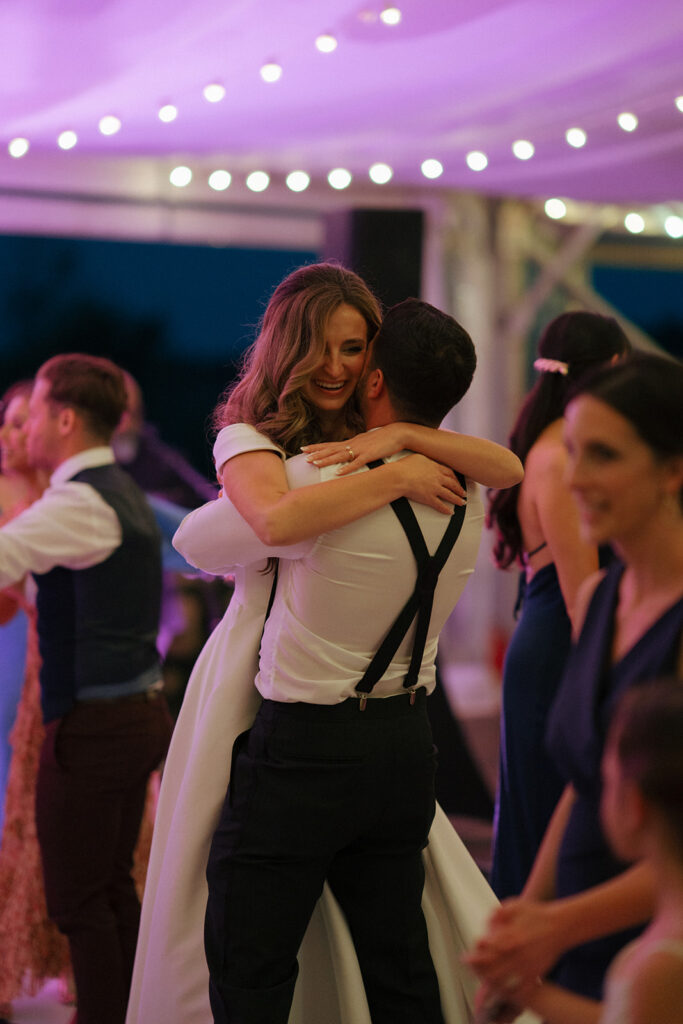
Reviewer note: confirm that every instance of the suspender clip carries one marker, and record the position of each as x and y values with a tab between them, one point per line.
363	701
412	697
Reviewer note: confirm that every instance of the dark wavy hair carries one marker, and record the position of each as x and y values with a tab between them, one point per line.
582	341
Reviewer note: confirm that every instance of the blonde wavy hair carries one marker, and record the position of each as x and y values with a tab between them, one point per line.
291	342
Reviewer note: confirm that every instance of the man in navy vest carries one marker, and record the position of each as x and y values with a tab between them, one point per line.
93	547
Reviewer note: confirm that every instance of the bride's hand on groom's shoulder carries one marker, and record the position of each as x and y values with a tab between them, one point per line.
359	450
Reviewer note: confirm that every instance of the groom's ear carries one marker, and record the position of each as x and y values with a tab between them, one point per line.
374	384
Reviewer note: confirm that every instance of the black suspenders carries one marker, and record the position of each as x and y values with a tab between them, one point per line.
420	601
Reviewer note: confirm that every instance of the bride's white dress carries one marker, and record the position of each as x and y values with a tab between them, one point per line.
170	980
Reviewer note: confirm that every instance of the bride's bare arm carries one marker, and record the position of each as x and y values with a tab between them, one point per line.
482	460
256	483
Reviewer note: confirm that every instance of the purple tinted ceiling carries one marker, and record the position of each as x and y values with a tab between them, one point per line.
454	76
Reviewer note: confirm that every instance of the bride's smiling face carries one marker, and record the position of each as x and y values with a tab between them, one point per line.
334	379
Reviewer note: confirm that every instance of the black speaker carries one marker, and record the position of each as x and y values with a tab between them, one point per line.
383	246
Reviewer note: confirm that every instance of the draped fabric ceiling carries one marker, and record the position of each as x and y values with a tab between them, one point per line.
453	76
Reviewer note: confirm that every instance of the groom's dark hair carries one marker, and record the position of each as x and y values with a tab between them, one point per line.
427	359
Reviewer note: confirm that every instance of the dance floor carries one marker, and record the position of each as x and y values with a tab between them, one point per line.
480	727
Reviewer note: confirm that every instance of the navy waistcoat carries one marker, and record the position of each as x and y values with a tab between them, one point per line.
98	626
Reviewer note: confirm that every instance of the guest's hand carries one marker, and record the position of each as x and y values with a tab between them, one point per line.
358	450
521	945
493	1008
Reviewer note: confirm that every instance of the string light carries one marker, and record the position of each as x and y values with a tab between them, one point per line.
298	181
576	137
431	168
214	92
220	180
679	103
634	223
476	160
271	72
326	43
556	209
180	176
674	226
109	125
167	113
67	139
627	122
381	174
391	16
258	181
523	149
18	147
340	178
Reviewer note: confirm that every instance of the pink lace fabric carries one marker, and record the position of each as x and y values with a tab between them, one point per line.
33	950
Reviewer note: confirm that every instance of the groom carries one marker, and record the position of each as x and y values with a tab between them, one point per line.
335	780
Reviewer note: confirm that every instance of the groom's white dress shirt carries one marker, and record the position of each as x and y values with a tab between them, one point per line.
338	594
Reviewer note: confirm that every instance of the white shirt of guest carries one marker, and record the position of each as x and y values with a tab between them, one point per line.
70	525
337	595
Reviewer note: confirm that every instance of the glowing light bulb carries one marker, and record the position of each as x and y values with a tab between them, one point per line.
180	176
523	149
258	181
340	178
326	43
109	125
380	174
18	147
674	226
476	160
556	209
634	223
214	92
298	181
220	180
679	103
576	137
271	72
391	16
627	122
168	113
67	140
431	168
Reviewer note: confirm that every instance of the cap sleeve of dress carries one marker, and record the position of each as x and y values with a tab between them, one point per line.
237	438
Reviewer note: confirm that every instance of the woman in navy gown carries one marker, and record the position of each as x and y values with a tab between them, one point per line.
624	432
537	528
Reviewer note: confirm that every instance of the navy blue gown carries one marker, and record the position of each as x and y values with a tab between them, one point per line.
576	736
529	785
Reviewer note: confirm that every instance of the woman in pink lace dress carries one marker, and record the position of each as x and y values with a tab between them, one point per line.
33	949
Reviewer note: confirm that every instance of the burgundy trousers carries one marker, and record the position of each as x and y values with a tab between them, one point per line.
92	781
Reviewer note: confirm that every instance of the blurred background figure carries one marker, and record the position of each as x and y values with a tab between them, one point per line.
537	528
581	903
156	467
32	948
19	486
191	607
642	815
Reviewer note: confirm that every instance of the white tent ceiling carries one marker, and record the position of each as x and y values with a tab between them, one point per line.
452	77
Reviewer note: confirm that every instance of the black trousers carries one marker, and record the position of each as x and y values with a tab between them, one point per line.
319	793
92	781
